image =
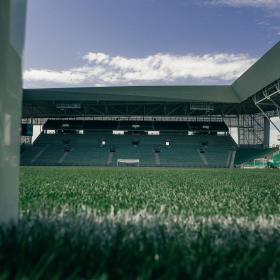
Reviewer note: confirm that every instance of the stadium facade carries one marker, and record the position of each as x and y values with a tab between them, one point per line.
155	125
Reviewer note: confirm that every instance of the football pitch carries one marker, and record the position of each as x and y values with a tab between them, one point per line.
144	223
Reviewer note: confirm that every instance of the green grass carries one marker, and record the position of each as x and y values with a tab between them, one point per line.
91	223
195	192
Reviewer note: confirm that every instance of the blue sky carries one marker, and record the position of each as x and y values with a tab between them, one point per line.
137	42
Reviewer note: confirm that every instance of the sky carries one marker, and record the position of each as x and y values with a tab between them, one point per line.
145	42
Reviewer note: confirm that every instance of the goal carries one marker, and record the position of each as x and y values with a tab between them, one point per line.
260	163
128	162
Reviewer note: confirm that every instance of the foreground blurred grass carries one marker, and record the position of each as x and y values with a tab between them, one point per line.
90	223
125	247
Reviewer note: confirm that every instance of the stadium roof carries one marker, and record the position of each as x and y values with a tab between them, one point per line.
264	72
224	94
261	74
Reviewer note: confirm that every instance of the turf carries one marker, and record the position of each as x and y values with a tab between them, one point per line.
189	192
90	223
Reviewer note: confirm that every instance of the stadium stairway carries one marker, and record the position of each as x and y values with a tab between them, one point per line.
110	158
232	160
203	158
157	159
62	159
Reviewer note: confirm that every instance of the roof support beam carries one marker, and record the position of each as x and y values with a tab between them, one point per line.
267	116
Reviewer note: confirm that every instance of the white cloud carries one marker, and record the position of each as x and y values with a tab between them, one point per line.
248	3
65	77
97	57
108	70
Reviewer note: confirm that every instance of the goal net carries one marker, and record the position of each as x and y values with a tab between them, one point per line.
260	163
128	162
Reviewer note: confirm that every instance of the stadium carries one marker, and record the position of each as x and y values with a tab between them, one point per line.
168	126
137	182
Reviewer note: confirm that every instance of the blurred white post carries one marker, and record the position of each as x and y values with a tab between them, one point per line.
12	25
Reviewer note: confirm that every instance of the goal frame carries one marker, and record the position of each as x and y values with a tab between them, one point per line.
263	161
127	162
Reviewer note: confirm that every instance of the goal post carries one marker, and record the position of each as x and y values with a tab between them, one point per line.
260	163
128	162
12	24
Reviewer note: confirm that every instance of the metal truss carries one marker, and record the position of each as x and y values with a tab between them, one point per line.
26	140
251	130
92	109
269	96
215	118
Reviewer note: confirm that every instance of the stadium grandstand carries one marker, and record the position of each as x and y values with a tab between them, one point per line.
174	126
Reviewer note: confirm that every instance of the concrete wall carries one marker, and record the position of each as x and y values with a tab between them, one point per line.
12	23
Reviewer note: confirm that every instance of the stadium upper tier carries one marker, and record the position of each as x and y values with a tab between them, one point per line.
157	100
105	149
73	125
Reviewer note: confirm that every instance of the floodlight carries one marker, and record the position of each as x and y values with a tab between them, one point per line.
153	132
118	132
